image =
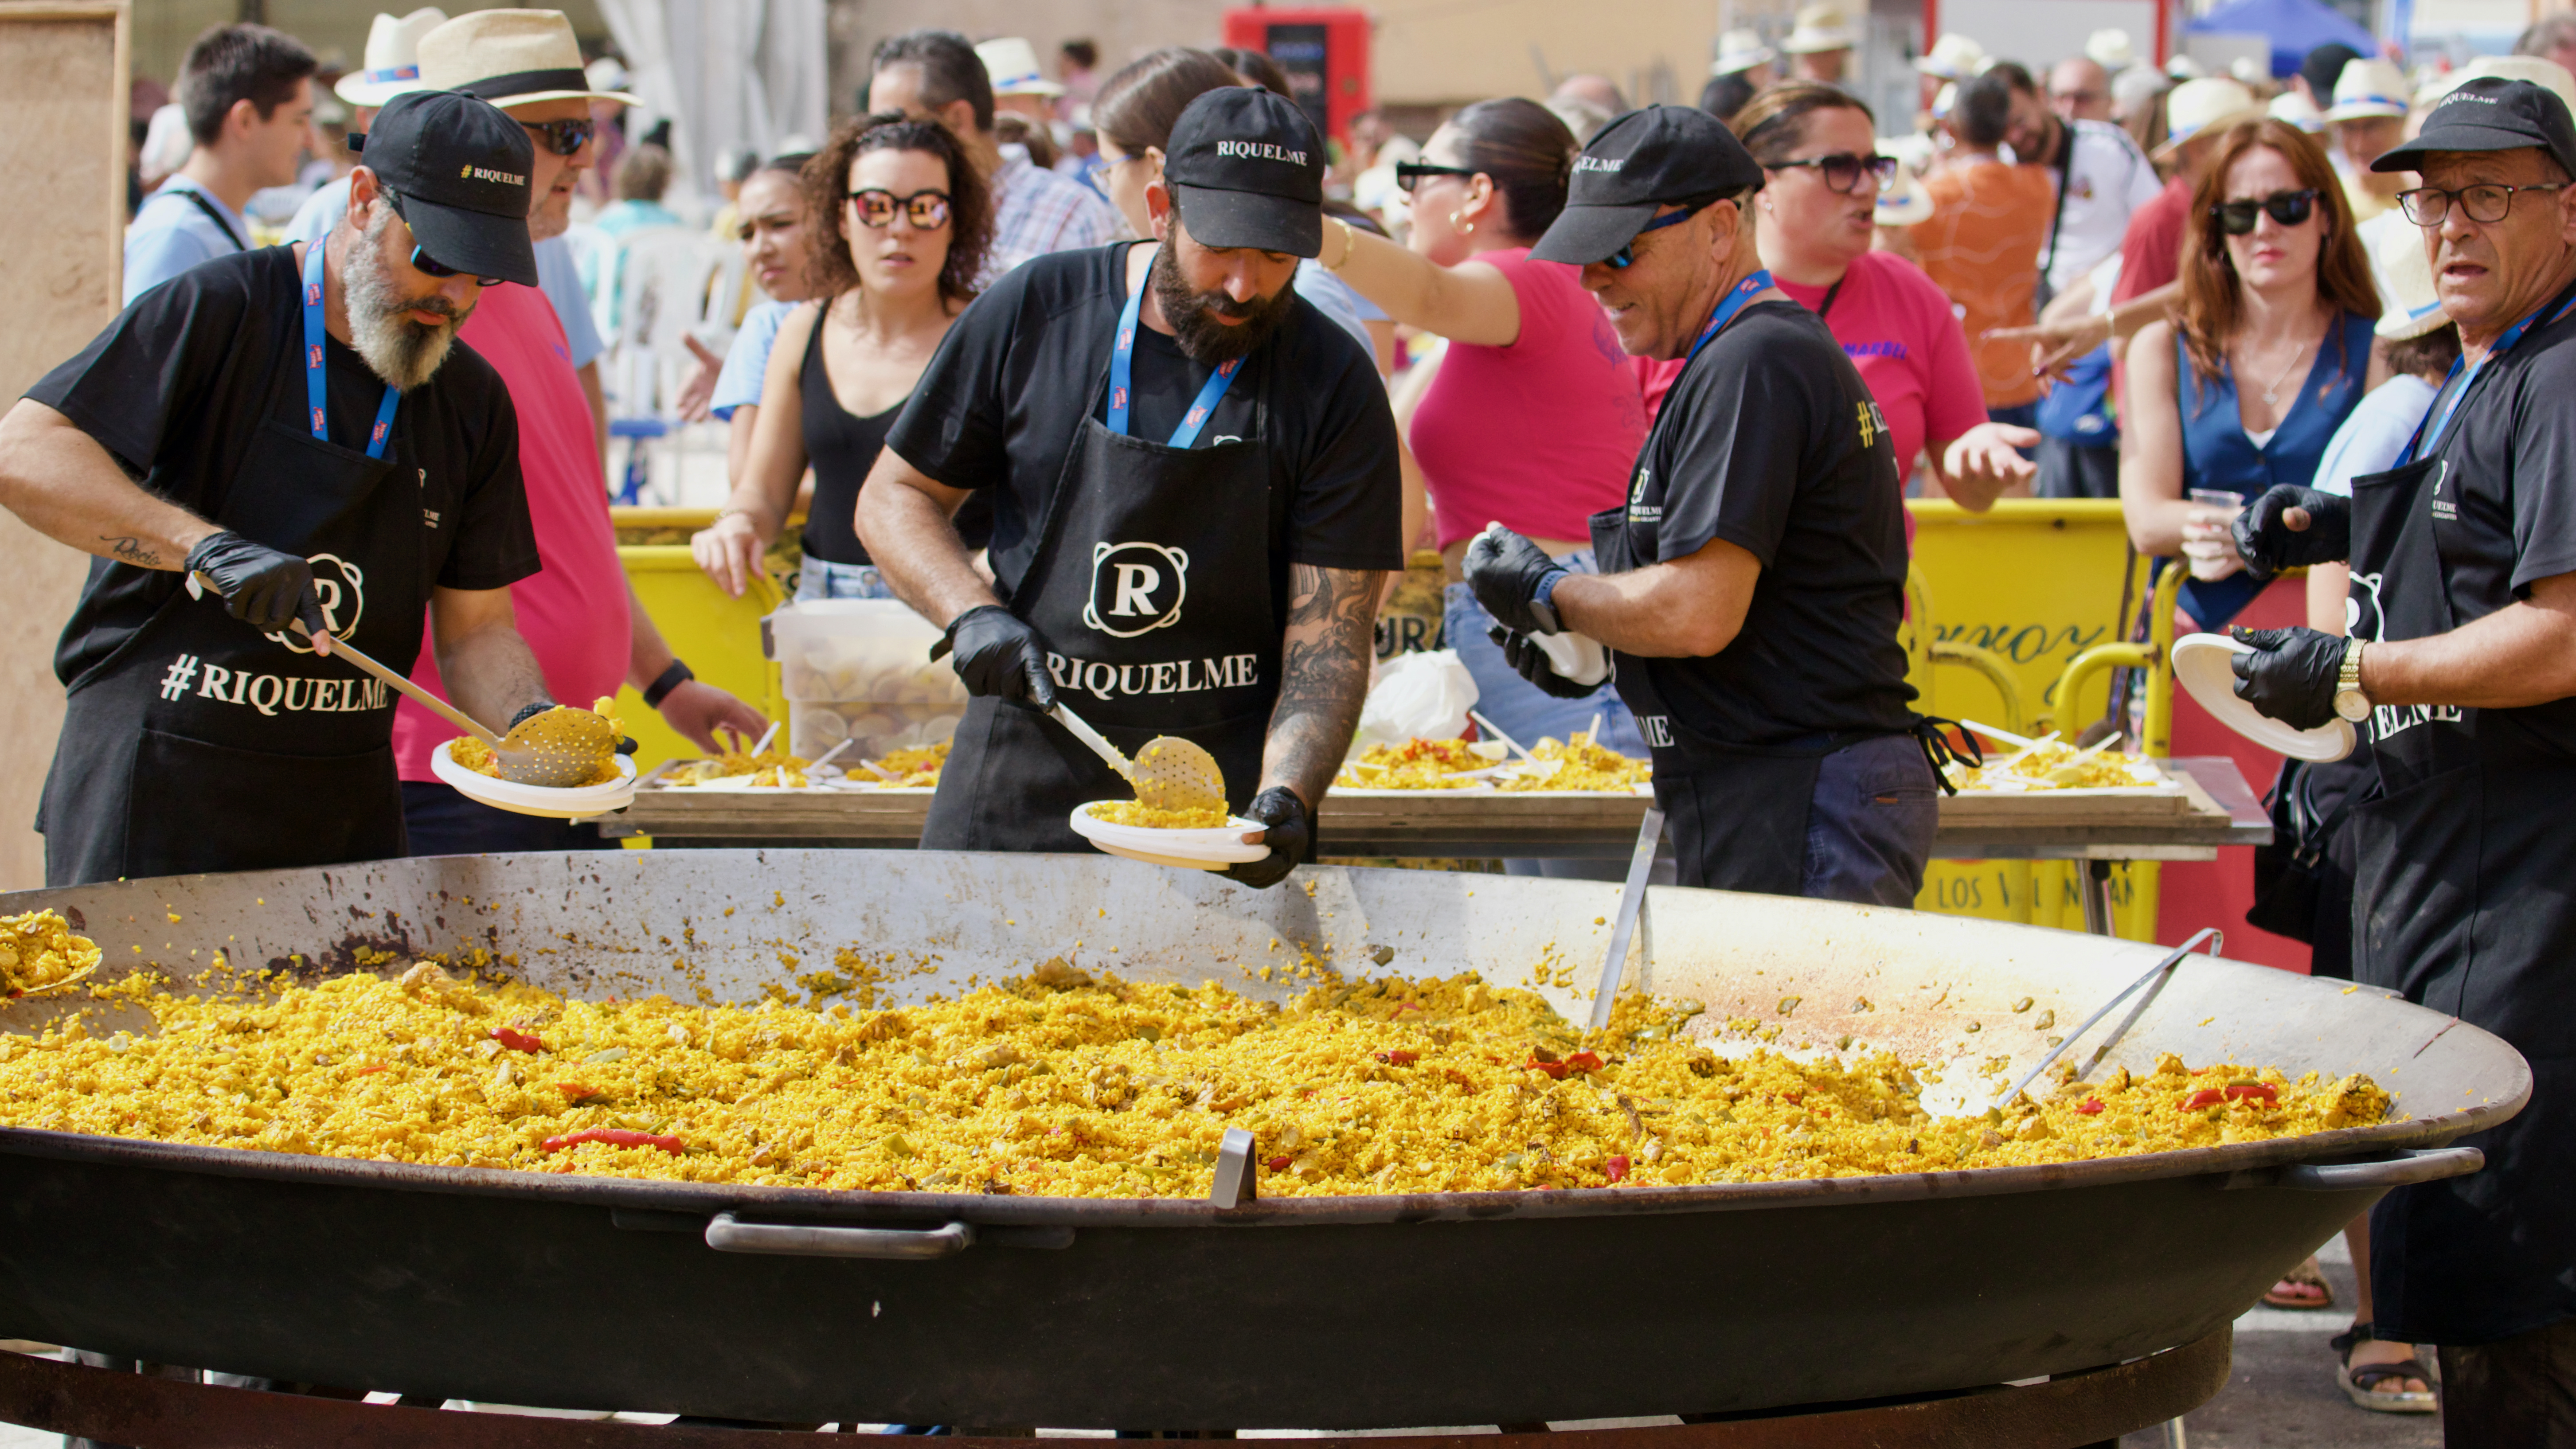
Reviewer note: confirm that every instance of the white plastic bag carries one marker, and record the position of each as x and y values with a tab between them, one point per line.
1417	696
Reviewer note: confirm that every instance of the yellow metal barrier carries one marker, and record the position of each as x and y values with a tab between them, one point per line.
2155	656
718	635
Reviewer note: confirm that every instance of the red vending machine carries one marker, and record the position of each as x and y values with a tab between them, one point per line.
1324	52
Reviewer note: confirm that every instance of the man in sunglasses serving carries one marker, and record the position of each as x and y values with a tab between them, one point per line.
1752	583
2460	664
295	432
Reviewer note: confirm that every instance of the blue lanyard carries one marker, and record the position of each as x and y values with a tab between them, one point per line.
1760	281
2457	382
1122	366
314	393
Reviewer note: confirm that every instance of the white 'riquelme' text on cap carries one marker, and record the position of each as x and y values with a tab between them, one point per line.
1260	151
1598	163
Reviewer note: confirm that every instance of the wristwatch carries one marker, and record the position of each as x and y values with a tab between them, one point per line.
2349	701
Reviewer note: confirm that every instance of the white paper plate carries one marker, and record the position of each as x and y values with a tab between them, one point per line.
1180	849
578	804
2200	661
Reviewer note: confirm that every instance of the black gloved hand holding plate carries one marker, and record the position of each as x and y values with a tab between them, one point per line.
1284	816
261	586
2267	542
2290	676
1506	571
1524	655
1000	655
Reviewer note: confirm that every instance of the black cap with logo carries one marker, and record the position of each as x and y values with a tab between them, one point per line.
1650	158
2491	114
461	168
1246	169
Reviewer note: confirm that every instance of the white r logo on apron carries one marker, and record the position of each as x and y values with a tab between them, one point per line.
342	588
1136	588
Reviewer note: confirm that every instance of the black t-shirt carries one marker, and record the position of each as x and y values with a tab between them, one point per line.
181	382
2505	517
1004	398
1770	441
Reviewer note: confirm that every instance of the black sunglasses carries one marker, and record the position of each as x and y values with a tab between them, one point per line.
1626	256
2289	208
926	210
1842	170
421	261
564	138
1407	173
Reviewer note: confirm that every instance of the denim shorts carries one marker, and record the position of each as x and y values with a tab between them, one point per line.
820	578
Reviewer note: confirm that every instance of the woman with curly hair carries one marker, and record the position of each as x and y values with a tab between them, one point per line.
2267	357
902	223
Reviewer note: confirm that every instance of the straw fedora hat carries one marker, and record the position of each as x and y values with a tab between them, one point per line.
1953	57
2539	70
1906	201
2294	108
1012	64
2111	49
2409	305
1740	50
393	58
510	58
2212	104
1820	28
2368	87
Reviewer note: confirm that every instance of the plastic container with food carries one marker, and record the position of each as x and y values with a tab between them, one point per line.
860	669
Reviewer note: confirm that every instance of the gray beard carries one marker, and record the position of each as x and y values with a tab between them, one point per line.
402	352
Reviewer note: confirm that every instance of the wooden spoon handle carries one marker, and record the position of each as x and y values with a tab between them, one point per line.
396	682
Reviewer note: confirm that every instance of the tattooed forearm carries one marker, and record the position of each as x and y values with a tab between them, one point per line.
1323	676
129	549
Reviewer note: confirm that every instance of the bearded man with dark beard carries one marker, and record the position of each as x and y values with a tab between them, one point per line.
291	437
1195	496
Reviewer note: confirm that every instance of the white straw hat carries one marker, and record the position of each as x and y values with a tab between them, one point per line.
2183	68
2539	70
1012	63
1820	28
1906	201
2111	50
1740	50
2212	103
510	58
2368	87
1953	57
393	58
2296	109
2408	304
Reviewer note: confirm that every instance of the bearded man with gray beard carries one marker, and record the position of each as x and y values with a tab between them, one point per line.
294	438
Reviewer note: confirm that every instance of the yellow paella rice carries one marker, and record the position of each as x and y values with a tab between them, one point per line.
1059	1083
1137	812
765	769
1581	765
913	768
2051	764
1417	764
477	756
38	949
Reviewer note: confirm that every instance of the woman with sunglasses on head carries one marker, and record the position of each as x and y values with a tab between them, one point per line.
1814	223
2271	352
901	221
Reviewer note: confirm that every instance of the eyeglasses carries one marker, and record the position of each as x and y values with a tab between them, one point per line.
1626	256
1410	173
926	210
2289	208
1842	170
421	261
2488	202
564	138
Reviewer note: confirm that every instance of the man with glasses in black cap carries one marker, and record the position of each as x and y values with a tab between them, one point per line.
1195	498
2460	663
1752	584
296	428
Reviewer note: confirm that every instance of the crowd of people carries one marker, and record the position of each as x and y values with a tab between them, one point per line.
2255	315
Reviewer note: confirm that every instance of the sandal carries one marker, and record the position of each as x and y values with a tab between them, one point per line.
2303	1287
2379	1387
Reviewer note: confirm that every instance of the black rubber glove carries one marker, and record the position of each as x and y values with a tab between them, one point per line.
1278	809
261	586
528	712
1507	571
2290	675
2268	544
1522	653
1000	655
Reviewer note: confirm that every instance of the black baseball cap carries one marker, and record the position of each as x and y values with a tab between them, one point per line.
2491	114
1653	157
1246	169
461	167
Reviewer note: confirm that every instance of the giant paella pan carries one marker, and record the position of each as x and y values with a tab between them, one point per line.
1387	1309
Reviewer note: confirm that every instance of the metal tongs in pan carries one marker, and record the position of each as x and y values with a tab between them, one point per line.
2217	942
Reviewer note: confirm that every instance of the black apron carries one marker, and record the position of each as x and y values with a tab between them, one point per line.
198	745
2461	901
1153	582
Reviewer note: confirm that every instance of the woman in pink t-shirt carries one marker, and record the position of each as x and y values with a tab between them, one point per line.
1813	222
1535	418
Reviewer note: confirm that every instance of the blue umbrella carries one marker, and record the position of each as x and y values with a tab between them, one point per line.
2294	27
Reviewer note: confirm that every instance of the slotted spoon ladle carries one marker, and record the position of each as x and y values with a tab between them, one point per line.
1169	773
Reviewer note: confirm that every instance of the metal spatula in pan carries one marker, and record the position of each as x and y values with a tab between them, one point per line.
1169	773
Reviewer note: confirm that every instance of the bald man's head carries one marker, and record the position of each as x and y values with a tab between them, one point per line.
2080	90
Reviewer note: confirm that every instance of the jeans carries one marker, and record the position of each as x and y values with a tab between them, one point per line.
443	822
819	578
2069	469
1870	825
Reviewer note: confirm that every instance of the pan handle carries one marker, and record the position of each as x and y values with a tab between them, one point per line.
726	1234
2420	1164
